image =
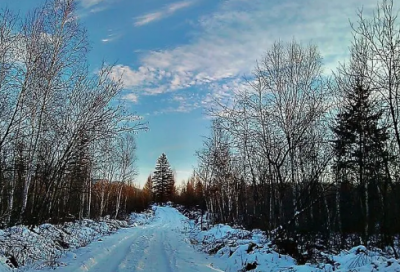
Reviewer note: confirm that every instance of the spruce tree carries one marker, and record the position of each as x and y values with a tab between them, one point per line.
360	153
163	180
148	191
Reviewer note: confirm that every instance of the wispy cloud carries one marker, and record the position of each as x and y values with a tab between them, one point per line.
111	37
232	39
90	3
228	42
89	7
131	78
165	12
131	97
98	9
182	102
148	18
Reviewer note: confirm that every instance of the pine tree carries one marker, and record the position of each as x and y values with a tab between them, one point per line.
148	191
148	186
163	180
360	153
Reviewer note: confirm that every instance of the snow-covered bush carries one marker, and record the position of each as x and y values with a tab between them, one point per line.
243	250
44	245
138	219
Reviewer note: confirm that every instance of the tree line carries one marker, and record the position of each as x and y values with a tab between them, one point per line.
67	148
301	153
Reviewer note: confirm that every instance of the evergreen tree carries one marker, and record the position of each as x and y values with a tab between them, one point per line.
148	191
360	156
148	186
163	180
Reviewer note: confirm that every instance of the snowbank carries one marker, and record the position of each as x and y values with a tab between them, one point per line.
139	219
3	266
243	250
43	245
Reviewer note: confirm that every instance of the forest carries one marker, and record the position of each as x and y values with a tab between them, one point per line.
67	151
309	155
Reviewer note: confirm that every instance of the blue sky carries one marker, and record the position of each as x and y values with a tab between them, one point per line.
176	57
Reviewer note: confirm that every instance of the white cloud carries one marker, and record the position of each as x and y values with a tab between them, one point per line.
131	97
179	5
166	12
148	18
231	39
98	9
90	3
228	42
111	37
182	102
131	78
89	7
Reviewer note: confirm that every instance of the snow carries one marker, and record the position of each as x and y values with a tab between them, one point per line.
43	245
241	250
4	268
140	219
169	241
158	246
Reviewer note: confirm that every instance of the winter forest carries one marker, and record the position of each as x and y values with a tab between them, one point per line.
307	154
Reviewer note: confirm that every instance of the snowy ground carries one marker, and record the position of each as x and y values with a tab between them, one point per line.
158	246
242	250
169	242
43	245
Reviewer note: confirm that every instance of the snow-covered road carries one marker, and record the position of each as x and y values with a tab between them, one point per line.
159	246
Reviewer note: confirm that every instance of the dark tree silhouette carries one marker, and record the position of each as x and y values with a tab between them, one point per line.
360	155
163	180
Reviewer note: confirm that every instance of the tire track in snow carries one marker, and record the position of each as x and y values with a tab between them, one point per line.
160	246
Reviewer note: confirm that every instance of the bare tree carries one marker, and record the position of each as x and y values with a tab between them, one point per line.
126	156
54	114
376	44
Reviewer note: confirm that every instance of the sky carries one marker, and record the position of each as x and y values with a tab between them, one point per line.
176	57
